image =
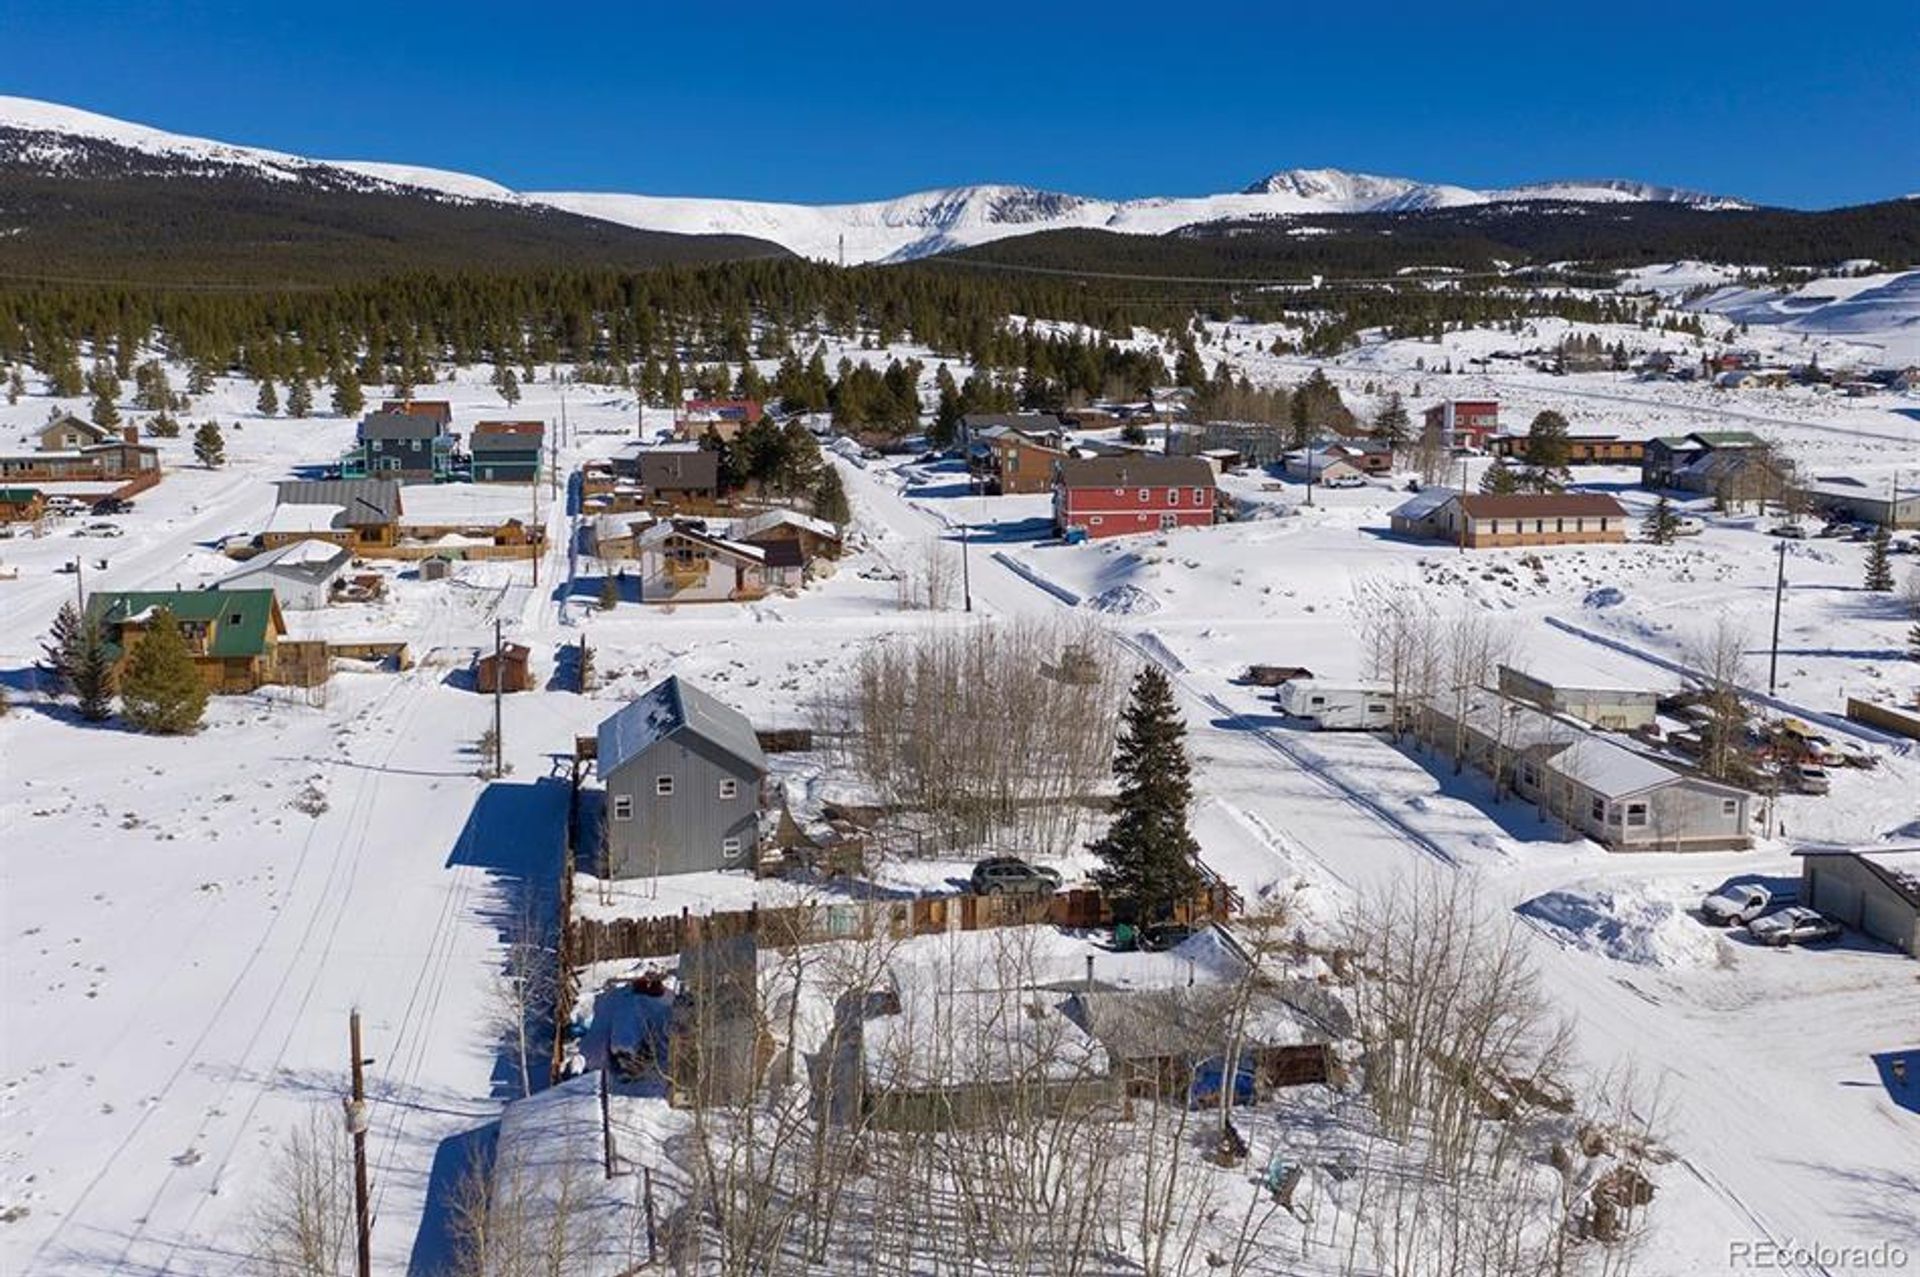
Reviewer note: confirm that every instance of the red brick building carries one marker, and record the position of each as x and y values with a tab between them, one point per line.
1114	496
1464	423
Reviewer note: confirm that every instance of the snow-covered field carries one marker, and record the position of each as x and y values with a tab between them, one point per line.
187	923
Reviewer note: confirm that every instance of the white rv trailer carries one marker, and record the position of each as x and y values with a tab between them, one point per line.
1331	708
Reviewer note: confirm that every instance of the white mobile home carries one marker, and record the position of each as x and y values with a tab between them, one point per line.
1330	708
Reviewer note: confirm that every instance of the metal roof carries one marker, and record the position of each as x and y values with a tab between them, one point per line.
1540	505
399	425
240	619
672	707
365	501
314	562
1139	470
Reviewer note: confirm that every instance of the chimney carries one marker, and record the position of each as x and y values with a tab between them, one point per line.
130	433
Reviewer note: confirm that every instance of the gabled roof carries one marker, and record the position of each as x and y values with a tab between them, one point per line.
1138	470
661	533
399	425
1728	438
677	469
1896	864
437	409
18	496
67	421
315	562
513	436
1423	503
241	619
363	502
769	521
671	708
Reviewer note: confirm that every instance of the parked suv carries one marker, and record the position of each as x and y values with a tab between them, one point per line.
1010	875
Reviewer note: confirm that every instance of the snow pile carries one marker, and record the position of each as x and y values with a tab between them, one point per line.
1626	923
1124	600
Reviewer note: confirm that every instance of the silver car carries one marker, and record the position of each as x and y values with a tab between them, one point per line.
1795	924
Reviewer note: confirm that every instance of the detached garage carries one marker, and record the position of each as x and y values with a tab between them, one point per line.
1875	890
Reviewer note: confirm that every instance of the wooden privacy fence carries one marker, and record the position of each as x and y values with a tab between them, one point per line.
616	939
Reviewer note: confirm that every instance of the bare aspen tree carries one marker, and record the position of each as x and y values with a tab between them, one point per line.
523	995
983	733
302	1225
1719	658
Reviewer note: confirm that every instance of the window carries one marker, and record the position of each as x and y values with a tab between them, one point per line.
1095	521
1169	521
663	786
1145	494
729	788
1199	496
1316	700
1598	809
1529	774
1559	525
1636	815
1539	525
1173	496
623	806
1376	709
729	846
1729	806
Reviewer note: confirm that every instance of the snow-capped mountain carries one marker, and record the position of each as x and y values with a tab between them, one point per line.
50	138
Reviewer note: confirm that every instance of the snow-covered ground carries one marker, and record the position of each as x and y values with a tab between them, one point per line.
187	923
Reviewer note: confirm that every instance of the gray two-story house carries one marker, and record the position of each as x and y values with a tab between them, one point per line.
682	775
411	447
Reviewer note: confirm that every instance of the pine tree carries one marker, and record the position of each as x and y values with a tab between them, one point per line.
162	692
1392	426
830	498
199	378
63	639
1499	479
1548	450
105	413
1879	571
507	382
209	445
299	398
1661	522
162	426
347	397
269	401
1147	855
90	671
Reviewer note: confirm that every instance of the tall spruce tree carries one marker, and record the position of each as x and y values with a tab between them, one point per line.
1147	855
1548	450
299	397
90	670
830	498
1391	425
269	401
1661	522
1879	570
1499	479
162	692
348	399
63	638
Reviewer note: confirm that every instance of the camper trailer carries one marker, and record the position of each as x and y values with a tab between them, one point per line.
1328	708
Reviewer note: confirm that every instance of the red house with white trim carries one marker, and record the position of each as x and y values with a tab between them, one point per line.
1115	496
1464	423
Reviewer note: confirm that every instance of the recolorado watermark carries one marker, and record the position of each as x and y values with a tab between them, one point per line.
1766	1255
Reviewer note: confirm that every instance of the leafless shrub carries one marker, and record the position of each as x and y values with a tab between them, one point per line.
302	1224
932	582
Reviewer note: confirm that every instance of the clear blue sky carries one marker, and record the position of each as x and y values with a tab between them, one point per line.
1808	106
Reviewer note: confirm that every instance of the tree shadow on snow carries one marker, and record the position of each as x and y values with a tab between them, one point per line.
459	1157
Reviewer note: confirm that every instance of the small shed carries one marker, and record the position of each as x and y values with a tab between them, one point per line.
22	505
436	567
1875	889
508	670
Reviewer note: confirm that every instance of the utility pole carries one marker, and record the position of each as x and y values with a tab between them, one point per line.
1779	591
498	679
80	581
1461	502
534	532
966	579
357	1127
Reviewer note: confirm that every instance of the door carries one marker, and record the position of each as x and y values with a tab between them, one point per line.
1169	522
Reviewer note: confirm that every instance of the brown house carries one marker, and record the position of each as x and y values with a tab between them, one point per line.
234	635
113	460
69	433
1018	463
1480	521
1582	450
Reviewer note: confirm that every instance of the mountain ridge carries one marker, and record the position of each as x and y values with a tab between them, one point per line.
903	228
